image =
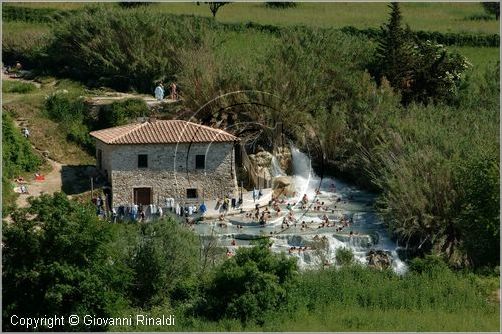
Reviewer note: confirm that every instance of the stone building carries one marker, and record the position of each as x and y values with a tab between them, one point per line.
150	162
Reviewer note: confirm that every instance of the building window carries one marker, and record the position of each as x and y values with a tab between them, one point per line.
200	161
142	161
192	193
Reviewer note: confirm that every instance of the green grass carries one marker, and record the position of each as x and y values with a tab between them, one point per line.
477	56
16	28
443	17
44	133
9	86
245	47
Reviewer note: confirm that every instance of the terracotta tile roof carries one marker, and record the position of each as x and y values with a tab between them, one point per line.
162	132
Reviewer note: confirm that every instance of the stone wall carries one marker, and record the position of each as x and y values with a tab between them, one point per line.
170	173
106	157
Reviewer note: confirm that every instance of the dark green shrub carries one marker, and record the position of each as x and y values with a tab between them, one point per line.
17	158
492	8
248	285
122	49
164	261
122	112
17	154
459	39
56	261
344	256
281	4
64	107
478	181
73	117
428	264
28	14
133	4
479	17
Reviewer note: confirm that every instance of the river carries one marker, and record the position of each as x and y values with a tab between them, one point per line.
365	231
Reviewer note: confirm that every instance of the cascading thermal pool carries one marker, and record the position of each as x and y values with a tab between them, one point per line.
339	202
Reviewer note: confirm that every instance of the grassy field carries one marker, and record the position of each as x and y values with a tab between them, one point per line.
443	17
478	57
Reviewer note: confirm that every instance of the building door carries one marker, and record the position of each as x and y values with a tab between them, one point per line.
143	196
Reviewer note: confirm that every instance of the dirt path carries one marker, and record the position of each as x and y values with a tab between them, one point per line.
73	179
51	184
13	78
108	98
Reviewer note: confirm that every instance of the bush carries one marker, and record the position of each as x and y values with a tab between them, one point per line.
133	4
28	14
248	285
55	261
17	154
431	287
126	50
122	112
448	38
428	265
63	107
344	256
73	117
17	87
17	158
281	4
164	260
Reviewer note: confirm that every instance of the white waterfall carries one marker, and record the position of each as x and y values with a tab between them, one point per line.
306	182
276	169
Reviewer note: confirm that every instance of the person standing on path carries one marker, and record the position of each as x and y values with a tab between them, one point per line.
174	93
159	92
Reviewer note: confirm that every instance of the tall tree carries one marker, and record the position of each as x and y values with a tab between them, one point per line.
56	262
215	6
420	70
492	8
394	59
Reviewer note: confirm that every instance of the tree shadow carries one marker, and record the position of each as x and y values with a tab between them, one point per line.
77	179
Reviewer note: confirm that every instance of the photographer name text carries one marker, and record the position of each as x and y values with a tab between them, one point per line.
91	321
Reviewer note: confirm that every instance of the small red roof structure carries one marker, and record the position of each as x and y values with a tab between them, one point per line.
162	132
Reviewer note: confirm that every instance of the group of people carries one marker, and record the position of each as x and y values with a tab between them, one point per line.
262	216
159	91
22	185
16	69
23	188
299	249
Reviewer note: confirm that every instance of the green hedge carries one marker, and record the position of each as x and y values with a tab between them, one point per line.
460	39
27	14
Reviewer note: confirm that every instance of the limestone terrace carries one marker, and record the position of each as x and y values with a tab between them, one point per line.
162	132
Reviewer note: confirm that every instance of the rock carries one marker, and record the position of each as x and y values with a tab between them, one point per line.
282	181
284	157
261	159
283	185
260	167
379	259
